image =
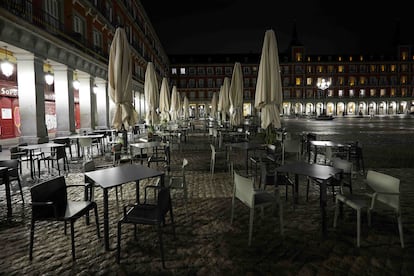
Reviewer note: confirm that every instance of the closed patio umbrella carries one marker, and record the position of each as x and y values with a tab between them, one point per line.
120	81
236	95
151	94
186	106
165	100
268	96
214	106
175	104
224	101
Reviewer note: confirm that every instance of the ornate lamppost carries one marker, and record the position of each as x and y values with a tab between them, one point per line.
323	84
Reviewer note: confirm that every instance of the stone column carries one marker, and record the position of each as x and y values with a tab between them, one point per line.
85	102
64	101
31	83
102	104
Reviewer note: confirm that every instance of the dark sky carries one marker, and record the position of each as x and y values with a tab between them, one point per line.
238	26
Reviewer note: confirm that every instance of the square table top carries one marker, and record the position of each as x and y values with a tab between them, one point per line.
317	171
112	177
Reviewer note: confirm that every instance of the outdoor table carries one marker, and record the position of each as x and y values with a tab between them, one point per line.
33	147
320	143
79	136
4	172
116	176
147	145
246	146
315	171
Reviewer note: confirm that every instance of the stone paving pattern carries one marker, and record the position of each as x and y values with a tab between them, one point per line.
206	243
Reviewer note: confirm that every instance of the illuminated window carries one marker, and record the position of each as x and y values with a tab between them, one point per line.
340	93
182	71
393	68
383	92
372	92
174	71
340	69
361	58
350	58
351	93
404	55
341	80
298	57
372	68
308	81
404	92
319	69
393	92
339	58
352	81
362	93
403	79
383	68
362	80
309	69
298	81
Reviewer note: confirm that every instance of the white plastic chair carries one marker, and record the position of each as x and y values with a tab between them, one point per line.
385	192
243	190
86	146
291	147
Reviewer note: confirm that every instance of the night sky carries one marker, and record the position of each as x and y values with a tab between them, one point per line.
238	26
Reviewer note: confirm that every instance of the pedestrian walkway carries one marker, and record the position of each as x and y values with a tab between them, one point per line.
206	243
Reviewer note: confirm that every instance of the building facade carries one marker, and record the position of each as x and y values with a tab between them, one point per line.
358	84
71	41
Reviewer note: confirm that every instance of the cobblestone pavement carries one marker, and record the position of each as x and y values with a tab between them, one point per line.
206	243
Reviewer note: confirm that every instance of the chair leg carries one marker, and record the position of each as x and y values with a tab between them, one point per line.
400	230
336	212
358	226
118	246
161	245
32	228
251	225
72	236
95	208
20	188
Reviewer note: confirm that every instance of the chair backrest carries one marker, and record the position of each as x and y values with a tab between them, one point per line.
344	165
185	163
244	189
60	152
213	151
13	165
163	201
88	166
381	182
64	141
52	191
85	142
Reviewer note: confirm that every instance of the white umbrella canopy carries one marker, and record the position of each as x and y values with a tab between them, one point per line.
165	100
151	94
268	96
214	106
120	81
224	101
186	106
236	95
175	104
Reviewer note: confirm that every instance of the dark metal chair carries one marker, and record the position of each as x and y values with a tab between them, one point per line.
58	154
50	203
13	172
148	214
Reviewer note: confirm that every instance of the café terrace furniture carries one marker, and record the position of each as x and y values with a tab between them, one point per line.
50	203
57	154
20	155
78	137
148	213
247	147
144	149
13	174
4	173
39	148
313	171
316	144
179	183
115	177
244	191
344	179
384	193
67	142
216	155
